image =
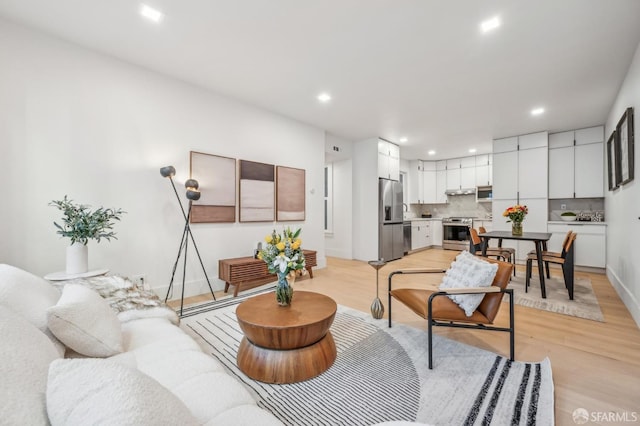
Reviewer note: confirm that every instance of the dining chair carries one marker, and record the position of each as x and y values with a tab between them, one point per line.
511	250
475	247
439	310
552	253
565	260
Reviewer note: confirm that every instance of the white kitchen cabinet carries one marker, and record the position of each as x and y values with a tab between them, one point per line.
461	173
561	172
441	186
483	170
415	182
589	170
420	234
468	177
437	232
520	176
429	187
388	160
589	246
576	164
533	172
505	175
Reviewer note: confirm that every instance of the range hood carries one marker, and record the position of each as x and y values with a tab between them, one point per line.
461	191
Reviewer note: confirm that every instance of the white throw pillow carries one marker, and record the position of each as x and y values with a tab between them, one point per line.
25	354
468	271
85	322
104	392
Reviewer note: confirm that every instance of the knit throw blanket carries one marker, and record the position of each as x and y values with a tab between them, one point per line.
128	300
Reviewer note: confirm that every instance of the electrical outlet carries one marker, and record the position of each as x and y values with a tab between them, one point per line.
140	281
563	206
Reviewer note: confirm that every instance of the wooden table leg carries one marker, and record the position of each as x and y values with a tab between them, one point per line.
310	271
226	287
541	268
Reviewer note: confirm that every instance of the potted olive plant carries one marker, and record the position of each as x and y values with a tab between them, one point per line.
80	224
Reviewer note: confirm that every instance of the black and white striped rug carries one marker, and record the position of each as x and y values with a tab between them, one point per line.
381	374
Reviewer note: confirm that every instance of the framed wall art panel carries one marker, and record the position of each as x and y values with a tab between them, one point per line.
290	194
612	161
257	192
624	131
217	179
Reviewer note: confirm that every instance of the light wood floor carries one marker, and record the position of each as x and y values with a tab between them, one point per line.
595	365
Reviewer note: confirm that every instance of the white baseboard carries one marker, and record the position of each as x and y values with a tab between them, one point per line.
629	300
191	288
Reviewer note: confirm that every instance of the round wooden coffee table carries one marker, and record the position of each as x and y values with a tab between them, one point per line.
286	344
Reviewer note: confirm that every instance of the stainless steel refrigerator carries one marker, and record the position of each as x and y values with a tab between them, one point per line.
390	237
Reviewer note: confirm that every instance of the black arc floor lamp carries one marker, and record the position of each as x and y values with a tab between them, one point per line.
192	195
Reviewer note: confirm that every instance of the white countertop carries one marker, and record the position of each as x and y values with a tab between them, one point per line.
575	222
421	219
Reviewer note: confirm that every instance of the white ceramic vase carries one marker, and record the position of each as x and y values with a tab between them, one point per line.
77	259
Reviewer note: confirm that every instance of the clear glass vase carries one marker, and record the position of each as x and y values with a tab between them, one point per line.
284	289
516	228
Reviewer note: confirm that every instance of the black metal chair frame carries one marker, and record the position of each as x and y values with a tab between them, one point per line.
567	270
431	322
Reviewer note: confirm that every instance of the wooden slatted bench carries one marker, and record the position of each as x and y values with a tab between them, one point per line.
246	272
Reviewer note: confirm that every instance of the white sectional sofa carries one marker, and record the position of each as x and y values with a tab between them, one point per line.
144	370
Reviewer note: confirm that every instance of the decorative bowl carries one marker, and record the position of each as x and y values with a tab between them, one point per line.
568	218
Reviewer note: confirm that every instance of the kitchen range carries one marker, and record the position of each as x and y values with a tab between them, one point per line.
456	232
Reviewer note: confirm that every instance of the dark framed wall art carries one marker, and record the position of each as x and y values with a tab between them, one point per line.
624	132
217	179
290	194
257	192
612	161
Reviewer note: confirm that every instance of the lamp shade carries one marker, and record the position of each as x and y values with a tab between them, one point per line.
167	171
193	195
191	183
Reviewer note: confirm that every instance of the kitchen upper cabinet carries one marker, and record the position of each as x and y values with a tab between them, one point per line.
422	182
520	167
441	182
589	170
461	173
576	165
505	175
484	170
388	160
533	172
415	182
429	186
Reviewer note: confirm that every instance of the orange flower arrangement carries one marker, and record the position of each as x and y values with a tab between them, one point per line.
516	213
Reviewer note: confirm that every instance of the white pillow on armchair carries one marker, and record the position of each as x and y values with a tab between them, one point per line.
468	271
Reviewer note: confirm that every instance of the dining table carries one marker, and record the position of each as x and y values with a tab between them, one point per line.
539	240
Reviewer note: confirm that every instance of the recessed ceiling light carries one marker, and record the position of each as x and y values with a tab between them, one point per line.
432	152
324	97
472	150
150	13
490	24
537	111
403	139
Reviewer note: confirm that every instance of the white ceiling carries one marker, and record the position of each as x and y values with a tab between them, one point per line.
415	68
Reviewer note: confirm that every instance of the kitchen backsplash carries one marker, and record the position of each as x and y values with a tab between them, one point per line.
585	208
466	206
458	205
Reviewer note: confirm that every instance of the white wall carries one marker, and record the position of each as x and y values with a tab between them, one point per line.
365	199
79	123
339	242
622	207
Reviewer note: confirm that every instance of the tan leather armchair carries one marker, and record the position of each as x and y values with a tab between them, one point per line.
440	310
